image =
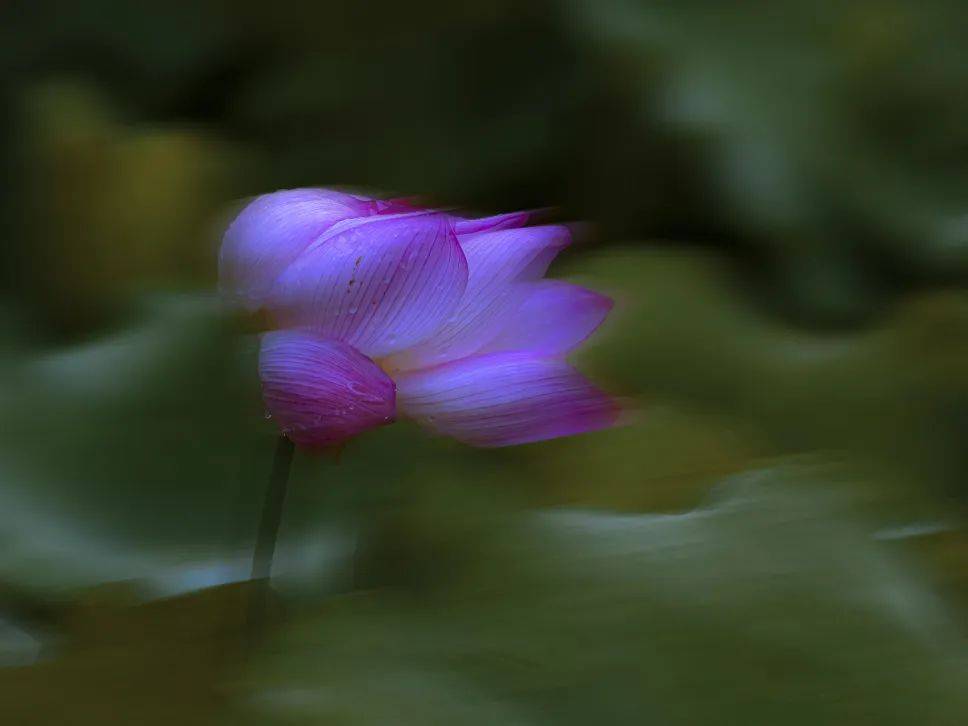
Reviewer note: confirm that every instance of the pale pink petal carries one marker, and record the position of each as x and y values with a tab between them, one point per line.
322	392
500	399
380	284
491	224
497	262
271	232
554	318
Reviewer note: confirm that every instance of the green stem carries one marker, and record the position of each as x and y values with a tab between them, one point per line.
265	543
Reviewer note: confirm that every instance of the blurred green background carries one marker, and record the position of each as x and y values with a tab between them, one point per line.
779	198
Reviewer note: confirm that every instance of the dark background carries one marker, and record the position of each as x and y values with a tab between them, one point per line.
778	194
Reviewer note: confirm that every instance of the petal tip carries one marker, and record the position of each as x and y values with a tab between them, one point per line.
505	399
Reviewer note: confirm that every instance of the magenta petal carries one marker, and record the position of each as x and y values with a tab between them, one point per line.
398	205
322	392
380	284
491	224
554	318
497	261
500	399
271	232
500	257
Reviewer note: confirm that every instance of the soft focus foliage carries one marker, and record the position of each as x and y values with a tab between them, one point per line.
779	204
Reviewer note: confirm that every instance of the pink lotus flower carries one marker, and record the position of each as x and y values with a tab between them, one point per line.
387	309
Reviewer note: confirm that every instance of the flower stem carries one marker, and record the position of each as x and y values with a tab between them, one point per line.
265	543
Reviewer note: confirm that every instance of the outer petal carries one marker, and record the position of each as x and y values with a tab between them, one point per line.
491	224
320	391
398	205
380	284
272	231
554	318
501	399
497	261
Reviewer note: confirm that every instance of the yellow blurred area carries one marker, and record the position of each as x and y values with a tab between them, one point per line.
117	208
